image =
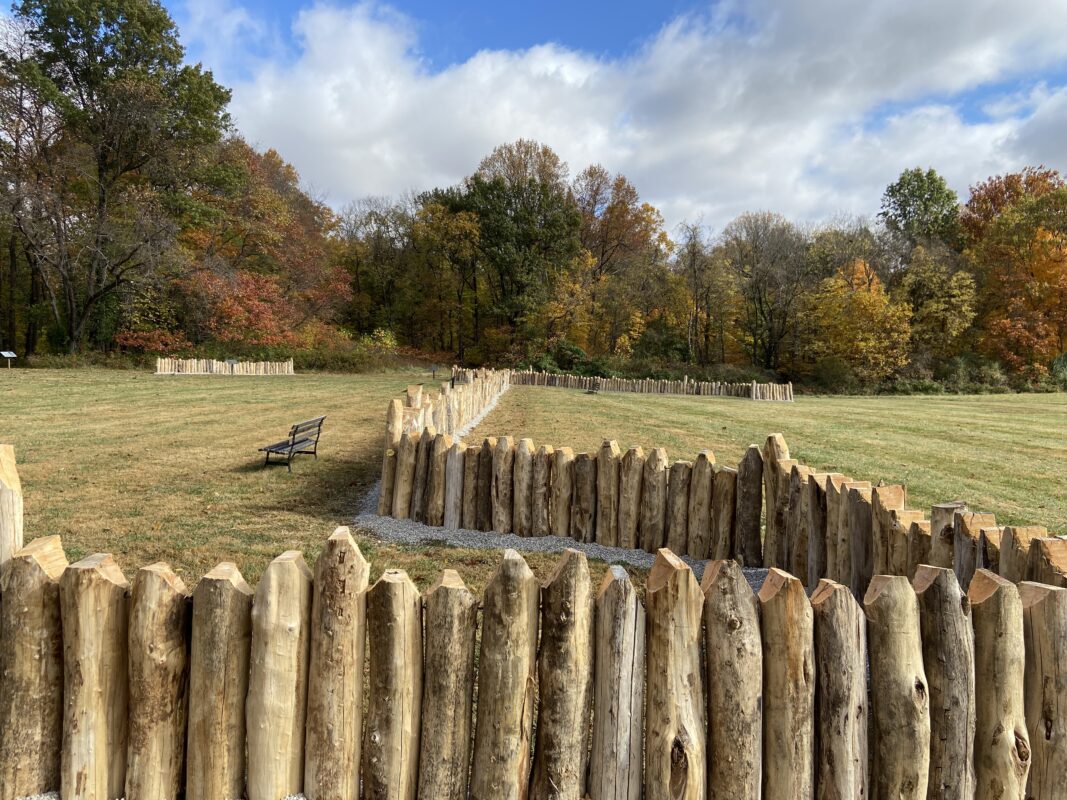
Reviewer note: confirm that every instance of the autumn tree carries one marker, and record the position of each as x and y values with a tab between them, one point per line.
995	195
713	291
942	298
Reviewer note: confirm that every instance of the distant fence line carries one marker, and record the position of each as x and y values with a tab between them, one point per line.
751	390
207	366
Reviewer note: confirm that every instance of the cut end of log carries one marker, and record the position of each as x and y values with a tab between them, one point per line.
881	585
611	448
9	474
161	571
512	566
448	579
776	581
1032	594
340	542
47	553
614	576
636	451
104	565
663	571
394	577
571	561
295	558
825	591
984	585
227	572
723	569
926	576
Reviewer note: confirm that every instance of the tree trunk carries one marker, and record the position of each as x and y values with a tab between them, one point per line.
724	505
631	476
394	433
583	499
607	494
420	486
654	501
699	512
541	499
750	508
562	490
860	544
503	486
484	490
435	480
1045	636
454	473
678	506
405	475
774	450
522	487
470	488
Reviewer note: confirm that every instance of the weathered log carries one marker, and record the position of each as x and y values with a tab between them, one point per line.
1001	741
885	500
836	499
1045	685
390	759
615	771
989	548
506	673
675	744
965	540
31	670
451	613
394	433
734	679
860	545
678	506
541	496
414	395
1015	551
11	515
420	485
788	688
841	692
405	475
724	504
942	533
774	450
749	508
948	659
900	701
565	681
159	684
94	601
796	521
844	531
609	459
469	519
1047	562
436	478
522	487
817	530
562	491
335	675
918	545
503	484
631	478
218	685
781	514
484	491
583	499
699	510
276	710
654	501
455	467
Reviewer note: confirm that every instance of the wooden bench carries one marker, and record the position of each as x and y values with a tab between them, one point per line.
303	439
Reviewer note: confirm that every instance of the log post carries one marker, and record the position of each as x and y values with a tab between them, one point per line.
786	624
435	480
734	679
942	533
394	433
1015	551
31	670
844	531
989	548
541	498
562	490
615	771
966	535
860	544
699	513
796	527
724	504
218	685
834	495
841	694
94	604
900	701
948	659
1045	684
455	469
565	681
815	506
159	682
503	486
470	488
678	506
11	534
405	475
918	545
609	459
335	675
276	709
506	673
885	501
631	478
484	491
390	758
774	450
583	499
1001	742
1047	562
675	748
420	486
451	613
749	508
522	487
652	534
782	515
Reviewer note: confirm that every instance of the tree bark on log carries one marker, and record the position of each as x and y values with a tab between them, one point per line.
1045	684
276	709
675	751
631	478
749	508
522	488
583	500
841	706
900	700
774	450
654	501
609	459
541	498
11	514
918	545
885	501
471	457
860	544
1047	562
390	761
724	505
619	687
844	532
335	680
451	613
435	481
834	484
405	475
420	486
562	490
485	484
734	679
94	603
678	506
989	548
394	433
31	670
1015	551
948	659
788	688
159	684
966	536
796	526
565	687
817	530
699	511
506	673
942	533
1001	741
218	685
455	467
782	517
503	484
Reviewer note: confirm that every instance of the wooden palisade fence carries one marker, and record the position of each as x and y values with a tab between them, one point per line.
207	366
749	390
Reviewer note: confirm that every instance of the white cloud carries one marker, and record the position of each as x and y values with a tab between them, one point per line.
773	104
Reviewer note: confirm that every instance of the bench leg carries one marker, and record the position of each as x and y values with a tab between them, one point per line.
266	461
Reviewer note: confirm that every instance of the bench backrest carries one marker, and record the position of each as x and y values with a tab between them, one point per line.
307	430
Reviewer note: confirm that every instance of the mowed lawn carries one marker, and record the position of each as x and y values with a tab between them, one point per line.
1005	454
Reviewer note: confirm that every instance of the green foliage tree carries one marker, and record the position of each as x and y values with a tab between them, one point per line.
920	205
942	299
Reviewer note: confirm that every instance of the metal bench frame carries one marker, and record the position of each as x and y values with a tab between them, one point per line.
303	440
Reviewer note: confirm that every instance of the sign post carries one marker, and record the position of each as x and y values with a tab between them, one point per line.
8	355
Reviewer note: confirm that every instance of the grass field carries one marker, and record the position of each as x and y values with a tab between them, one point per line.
1006	454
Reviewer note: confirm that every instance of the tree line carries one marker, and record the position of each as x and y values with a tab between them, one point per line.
136	218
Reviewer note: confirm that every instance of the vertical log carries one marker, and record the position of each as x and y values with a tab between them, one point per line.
565	687
405	475
678	506
942	533
470	488
583	499
989	548
774	450
394	433
675	752
562	490
859	521
522	487
841	692
816	511
966	534
1015	551
455	467
619	688
844	531
94	607
788	688
749	508
435	480
335	675
948	659
484	490
1001	742
734	678
654	501
421	484
390	764
782	515
31	670
834	495
885	500
159	683
918	545
451	613
1045	684
631	478
541	498
724	503
900	701
1048	561
503	486
699	512
276	709
797	521
11	534
609	459
506	673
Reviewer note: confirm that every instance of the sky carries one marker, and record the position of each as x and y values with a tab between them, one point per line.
804	107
